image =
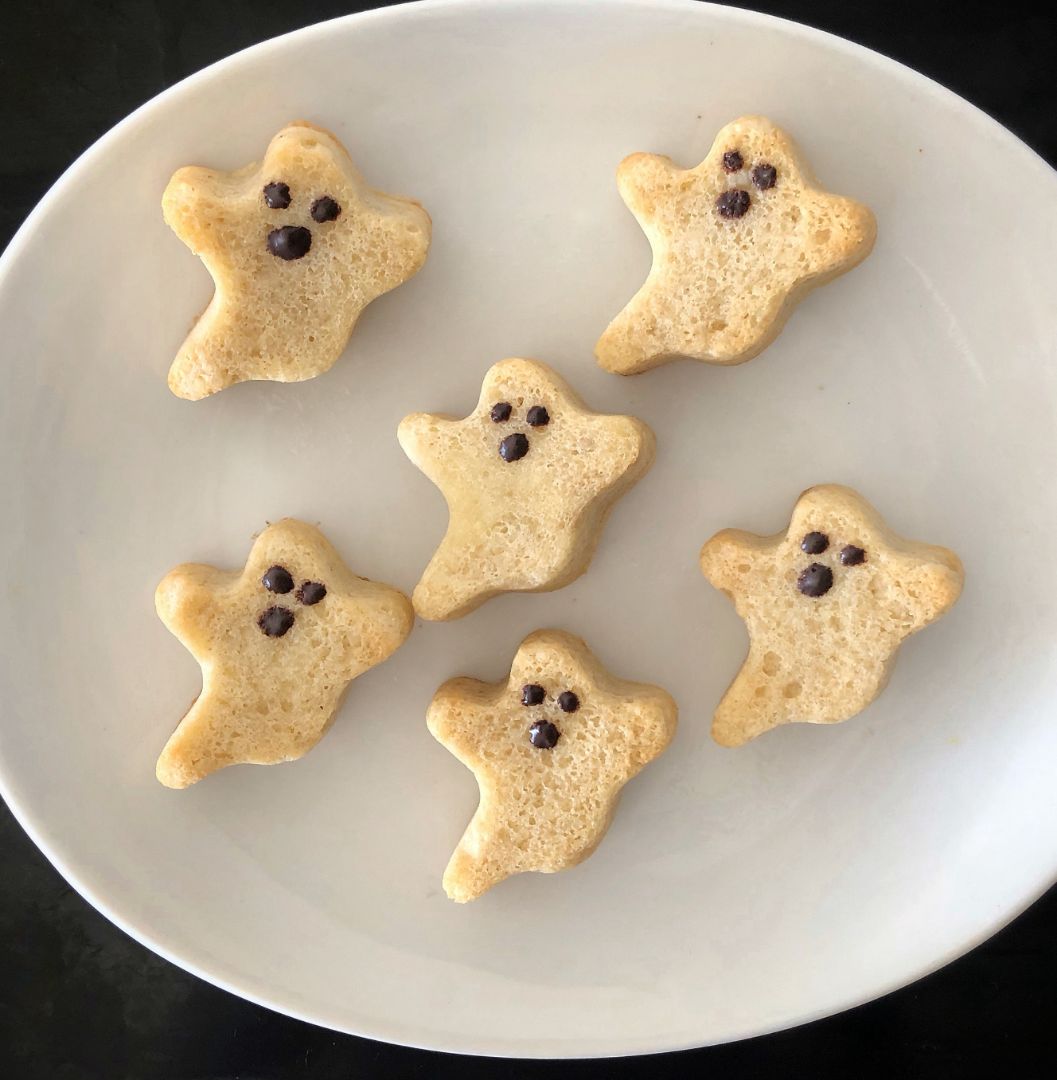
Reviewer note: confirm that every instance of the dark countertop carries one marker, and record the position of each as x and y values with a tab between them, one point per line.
81	1001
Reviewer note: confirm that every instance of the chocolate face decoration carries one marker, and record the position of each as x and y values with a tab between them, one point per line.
735	202
514	447
289	242
542	733
276	620
817	579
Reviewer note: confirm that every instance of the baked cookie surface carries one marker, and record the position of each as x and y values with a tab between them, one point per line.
826	605
529	477
737	241
551	747
279	642
297	245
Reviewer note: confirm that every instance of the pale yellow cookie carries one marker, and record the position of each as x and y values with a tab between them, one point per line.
279	642
298	245
551	747
826	604
737	241
530	478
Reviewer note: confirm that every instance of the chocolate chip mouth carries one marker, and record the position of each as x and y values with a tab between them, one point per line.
290	242
275	621
544	735
513	447
815	581
734	203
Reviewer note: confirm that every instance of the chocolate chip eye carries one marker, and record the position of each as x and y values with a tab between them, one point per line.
532	694
311	592
325	209
814	543
538	416
816	580
852	555
277	579
501	412
568	701
764	176
277	195
514	447
733	161
275	621
289	242
544	735
733	203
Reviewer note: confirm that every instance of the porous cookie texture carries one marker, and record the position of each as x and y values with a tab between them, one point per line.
279	642
551	747
298	245
737	241
826	604
530	478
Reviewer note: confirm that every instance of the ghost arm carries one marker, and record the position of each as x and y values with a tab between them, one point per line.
730	556
645	182
378	620
186	602
196	205
432	443
457	716
928	581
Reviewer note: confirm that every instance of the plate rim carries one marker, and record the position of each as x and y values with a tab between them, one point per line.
392	1031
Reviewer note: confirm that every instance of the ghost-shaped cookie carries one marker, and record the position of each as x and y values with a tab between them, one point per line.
737	241
278	642
530	477
551	747
826	604
298	245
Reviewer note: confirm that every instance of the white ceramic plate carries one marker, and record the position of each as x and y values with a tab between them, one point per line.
738	891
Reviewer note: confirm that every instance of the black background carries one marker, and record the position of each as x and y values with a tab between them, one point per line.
81	1001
